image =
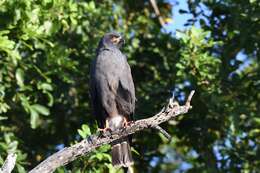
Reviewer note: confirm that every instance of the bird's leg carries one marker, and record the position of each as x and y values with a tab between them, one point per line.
107	128
126	123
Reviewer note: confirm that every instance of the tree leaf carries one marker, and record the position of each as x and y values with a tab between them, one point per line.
34	118
41	109
19	75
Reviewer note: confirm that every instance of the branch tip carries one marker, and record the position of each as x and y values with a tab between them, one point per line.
162	131
189	99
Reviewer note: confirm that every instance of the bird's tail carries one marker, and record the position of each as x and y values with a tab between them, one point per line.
121	154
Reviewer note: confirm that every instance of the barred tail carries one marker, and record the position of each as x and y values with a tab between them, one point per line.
121	154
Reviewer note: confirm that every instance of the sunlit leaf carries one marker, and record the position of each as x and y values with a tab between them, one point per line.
40	109
20	77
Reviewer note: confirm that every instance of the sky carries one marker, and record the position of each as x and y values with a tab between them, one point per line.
178	19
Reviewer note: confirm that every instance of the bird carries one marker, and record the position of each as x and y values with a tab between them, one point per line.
112	94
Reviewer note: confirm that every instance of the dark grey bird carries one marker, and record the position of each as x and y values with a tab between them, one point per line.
113	93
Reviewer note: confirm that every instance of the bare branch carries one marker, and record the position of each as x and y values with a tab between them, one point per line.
84	147
9	163
162	131
157	11
189	99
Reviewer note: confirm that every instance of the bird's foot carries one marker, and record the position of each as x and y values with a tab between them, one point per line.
127	123
104	132
106	129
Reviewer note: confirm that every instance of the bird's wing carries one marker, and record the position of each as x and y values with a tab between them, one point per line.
95	98
126	91
104	82
112	86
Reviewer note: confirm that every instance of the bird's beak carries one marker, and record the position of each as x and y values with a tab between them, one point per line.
121	40
118	40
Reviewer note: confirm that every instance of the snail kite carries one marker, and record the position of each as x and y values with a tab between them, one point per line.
113	93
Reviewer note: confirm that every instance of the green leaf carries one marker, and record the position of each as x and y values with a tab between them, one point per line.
50	98
3	108
92	5
41	109
45	86
34	118
254	132
19	75
20	168
12	146
135	151
25	102
104	148
257	120
135	42
81	133
84	131
3	118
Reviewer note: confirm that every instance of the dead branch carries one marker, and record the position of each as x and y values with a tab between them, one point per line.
157	12
84	147
9	163
162	131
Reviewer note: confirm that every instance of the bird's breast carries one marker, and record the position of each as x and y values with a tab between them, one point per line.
114	63
115	122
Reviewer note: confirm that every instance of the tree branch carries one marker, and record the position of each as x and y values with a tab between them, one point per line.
157	12
162	131
84	147
9	163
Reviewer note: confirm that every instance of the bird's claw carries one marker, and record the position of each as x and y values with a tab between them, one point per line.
106	129
127	123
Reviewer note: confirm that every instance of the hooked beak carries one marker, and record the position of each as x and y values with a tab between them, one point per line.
119	40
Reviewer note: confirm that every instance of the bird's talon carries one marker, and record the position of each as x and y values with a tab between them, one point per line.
104	130
127	123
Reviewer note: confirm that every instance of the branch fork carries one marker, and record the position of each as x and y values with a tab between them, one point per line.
68	154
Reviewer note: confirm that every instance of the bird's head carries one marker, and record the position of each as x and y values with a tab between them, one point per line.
111	39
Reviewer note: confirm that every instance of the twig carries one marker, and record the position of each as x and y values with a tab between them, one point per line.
84	147
189	99
157	11
9	163
162	131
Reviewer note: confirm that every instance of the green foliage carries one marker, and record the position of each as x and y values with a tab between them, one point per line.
9	143
98	161
84	132
196	63
45	51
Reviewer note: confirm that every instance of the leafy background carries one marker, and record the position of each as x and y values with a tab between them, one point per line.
45	51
